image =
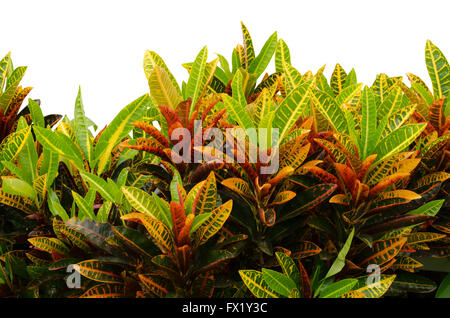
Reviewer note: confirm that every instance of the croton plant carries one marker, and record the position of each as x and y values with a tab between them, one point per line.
239	182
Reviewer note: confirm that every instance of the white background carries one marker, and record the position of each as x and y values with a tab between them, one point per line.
100	44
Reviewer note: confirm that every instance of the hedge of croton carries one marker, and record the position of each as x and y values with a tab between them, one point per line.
240	182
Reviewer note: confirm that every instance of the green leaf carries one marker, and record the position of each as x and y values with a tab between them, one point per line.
100	185
194	86
81	128
49	166
278	282
282	56
328	108
225	67
368	122
214	223
348	94
292	78
397	141
14	169
118	129
254	281
238	92
289	268
59	143
396	120
237	112
438	69
375	289
135	240
423	92
430	208
260	63
143	202
18	187
413	283
84	208
198	221
290	109
103	212
176	182
55	206
11	87
163	207
444	288
36	113
248	45
5	65
339	262
339	288
28	159
351	79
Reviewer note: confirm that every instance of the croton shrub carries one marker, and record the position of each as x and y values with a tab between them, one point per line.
239	182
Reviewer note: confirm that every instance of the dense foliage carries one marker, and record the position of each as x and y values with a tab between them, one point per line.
358	205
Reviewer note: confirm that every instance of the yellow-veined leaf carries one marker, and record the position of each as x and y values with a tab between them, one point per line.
422	237
157	230
337	79
214	223
337	289
162	90
403	194
154	285
13	144
249	50
282	56
152	59
205	200
432	178
438	69
328	108
254	281
406	263
282	197
49	245
383	251
98	271
294	156
195	85
144	202
239	186
77	238
306	249
397	141
119	127
289	268
375	289
287	113
105	291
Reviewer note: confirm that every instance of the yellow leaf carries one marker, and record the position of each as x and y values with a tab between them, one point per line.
239	186
283	197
